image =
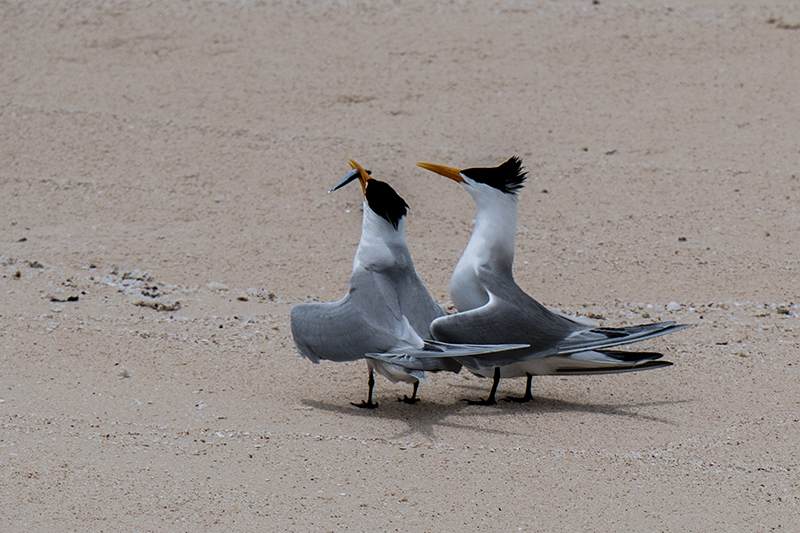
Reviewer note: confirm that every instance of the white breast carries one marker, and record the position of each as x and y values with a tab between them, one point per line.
491	243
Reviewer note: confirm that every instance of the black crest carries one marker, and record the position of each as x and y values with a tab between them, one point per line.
385	202
508	177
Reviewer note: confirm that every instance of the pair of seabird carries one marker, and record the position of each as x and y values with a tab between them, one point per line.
389	318
387	310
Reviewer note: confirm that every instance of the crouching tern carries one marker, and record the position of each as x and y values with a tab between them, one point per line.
494	309
386	314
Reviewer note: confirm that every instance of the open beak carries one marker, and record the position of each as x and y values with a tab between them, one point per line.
448	172
357	172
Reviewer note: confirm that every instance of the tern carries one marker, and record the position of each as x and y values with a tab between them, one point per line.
492	308
387	310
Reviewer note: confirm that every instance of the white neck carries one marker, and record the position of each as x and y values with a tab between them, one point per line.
490	246
379	242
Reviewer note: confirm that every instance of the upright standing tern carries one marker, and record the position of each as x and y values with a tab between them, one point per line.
387	309
494	309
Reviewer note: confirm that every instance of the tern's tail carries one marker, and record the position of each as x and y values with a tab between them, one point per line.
598	362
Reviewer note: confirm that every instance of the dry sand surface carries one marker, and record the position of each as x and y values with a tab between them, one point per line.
163	178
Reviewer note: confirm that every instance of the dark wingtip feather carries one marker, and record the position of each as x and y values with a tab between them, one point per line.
605	369
632	357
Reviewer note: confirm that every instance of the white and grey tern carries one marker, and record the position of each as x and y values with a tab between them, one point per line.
494	309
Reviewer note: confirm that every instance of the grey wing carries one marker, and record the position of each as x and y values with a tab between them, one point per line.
418	306
577	335
436	356
413	297
411	363
501	321
511	316
600	338
365	320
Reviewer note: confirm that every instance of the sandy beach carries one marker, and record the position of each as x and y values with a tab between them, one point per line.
164	171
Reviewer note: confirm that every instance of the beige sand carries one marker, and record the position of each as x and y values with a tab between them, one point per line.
151	155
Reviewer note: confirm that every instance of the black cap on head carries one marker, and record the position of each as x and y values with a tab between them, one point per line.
508	177
385	202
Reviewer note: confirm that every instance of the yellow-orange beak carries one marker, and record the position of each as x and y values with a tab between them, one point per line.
363	176
448	172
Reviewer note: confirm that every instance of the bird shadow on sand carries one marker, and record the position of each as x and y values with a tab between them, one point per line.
421	418
545	405
425	417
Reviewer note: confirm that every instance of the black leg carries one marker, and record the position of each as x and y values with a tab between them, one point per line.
490	400
368	404
413	399
528	396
